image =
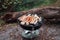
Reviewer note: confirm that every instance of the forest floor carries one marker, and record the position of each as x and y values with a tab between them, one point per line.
47	32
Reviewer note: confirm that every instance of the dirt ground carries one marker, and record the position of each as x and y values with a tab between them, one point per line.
47	32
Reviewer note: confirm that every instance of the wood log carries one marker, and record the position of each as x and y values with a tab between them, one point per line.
48	13
11	17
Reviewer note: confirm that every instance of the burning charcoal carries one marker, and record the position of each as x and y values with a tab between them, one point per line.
30	21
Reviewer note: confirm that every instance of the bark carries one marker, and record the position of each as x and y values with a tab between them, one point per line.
50	14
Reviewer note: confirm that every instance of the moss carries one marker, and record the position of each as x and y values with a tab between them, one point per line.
1	22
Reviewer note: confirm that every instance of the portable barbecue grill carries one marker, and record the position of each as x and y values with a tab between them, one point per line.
30	30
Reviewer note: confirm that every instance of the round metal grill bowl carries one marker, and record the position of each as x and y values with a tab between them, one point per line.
30	26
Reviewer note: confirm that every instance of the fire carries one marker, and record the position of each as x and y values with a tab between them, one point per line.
29	19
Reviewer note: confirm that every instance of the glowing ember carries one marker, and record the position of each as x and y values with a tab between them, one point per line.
29	19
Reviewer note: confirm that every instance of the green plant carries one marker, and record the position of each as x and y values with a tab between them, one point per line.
19	5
